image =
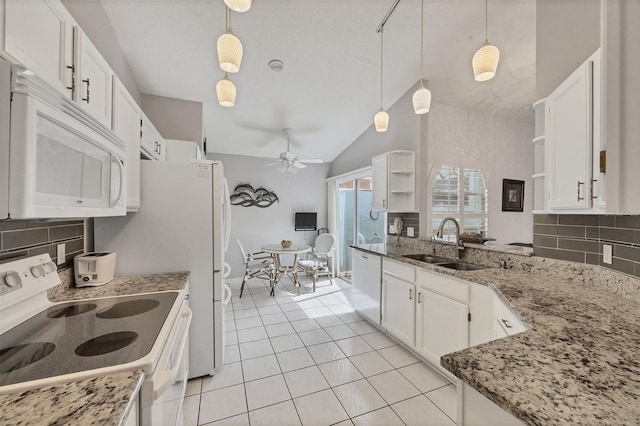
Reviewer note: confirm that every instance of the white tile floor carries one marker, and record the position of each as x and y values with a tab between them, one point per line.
312	360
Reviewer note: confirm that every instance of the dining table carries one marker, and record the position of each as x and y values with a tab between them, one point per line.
276	250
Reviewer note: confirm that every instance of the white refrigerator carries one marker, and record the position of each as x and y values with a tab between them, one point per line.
182	225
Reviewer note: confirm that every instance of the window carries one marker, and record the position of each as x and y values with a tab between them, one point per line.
462	194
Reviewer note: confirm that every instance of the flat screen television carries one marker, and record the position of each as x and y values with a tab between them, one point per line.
306	221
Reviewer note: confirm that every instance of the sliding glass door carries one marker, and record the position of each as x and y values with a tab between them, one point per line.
357	223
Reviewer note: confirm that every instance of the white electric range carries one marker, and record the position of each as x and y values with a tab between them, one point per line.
44	343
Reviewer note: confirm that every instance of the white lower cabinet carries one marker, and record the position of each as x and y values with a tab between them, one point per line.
398	308
442	325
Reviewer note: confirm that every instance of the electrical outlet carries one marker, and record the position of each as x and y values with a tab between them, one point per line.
607	254
392	229
60	248
410	231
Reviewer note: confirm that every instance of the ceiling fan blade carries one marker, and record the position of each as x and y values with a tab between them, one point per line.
311	160
299	165
272	164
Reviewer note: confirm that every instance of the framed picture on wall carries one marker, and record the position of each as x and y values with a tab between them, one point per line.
512	195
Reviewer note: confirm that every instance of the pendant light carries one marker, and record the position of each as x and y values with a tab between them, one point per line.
238	5
422	96
226	91
485	61
381	119
229	49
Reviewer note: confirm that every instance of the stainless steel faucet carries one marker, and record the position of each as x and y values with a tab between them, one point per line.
459	244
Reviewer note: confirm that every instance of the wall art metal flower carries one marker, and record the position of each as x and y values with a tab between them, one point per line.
246	196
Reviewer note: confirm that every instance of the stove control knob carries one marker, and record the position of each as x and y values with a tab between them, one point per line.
38	271
12	279
50	267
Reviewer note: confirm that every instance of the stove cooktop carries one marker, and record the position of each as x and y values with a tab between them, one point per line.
78	336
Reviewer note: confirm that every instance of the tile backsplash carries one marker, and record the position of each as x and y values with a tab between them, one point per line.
580	238
21	238
409	219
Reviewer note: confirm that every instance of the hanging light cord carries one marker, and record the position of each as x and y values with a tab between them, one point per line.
486	21
422	42
381	61
227	17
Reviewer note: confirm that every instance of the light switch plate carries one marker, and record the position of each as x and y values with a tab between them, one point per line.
392	229
607	254
60	249
410	231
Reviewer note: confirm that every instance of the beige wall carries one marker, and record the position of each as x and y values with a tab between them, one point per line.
175	118
567	33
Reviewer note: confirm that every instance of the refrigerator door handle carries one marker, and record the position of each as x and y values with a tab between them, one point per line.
227	215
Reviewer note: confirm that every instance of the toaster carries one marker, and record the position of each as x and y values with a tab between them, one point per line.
94	269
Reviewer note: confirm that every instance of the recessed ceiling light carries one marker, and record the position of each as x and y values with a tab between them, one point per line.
276	65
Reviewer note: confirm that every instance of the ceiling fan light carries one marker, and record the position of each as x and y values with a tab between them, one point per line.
422	100
226	91
485	62
238	5
229	52
381	121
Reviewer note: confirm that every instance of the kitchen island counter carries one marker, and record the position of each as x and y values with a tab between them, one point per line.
578	361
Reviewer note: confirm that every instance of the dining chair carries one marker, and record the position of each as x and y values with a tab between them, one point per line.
257	265
319	264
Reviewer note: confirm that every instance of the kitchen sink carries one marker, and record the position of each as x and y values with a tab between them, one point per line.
459	266
426	258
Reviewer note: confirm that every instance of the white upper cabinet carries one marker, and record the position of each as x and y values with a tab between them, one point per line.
126	124
394	181
152	144
94	79
39	34
573	141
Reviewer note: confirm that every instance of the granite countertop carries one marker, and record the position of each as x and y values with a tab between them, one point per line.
121	286
578	362
99	401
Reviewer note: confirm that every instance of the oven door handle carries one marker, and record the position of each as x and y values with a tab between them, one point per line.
166	377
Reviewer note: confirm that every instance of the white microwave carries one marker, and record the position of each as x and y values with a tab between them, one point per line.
56	161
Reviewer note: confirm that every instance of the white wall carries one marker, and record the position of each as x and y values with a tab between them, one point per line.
254	226
499	147
93	20
403	134
174	118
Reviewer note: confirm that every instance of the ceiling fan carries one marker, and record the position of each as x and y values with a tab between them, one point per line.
288	162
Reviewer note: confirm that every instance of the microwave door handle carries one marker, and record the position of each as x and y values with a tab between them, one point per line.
117	161
165	378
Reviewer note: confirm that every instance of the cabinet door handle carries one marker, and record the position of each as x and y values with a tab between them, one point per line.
419	297
364	257
156	148
591	189
410	294
506	323
88	98
579	197
384	203
159	148
73	79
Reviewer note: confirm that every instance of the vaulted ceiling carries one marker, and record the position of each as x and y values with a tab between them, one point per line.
329	88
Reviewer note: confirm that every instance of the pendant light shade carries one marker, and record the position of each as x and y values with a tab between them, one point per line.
485	62
226	92
229	52
422	96
486	59
381	121
422	100
229	49
238	5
